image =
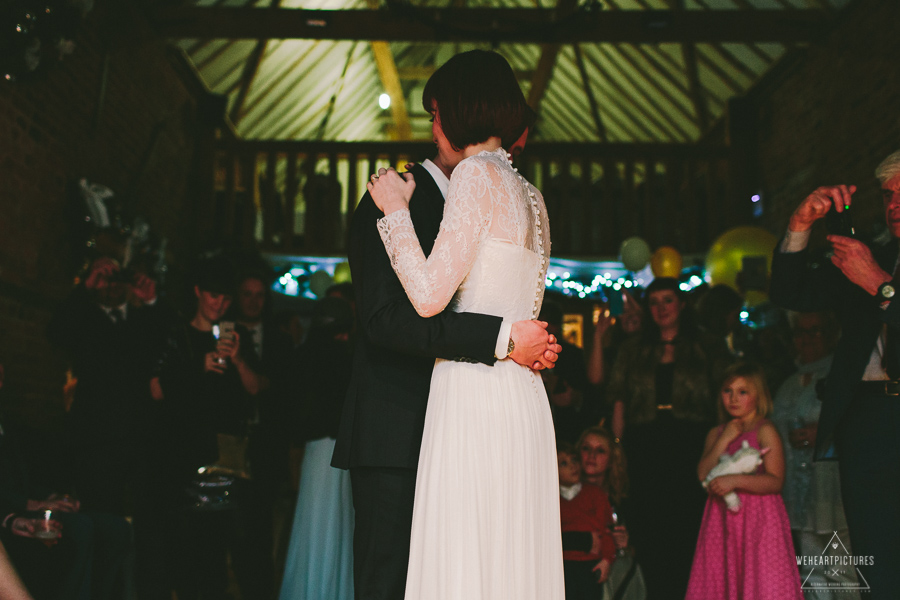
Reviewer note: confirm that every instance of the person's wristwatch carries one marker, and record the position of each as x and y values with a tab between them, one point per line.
886	291
510	346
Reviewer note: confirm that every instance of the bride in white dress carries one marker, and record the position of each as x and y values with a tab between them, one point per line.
486	522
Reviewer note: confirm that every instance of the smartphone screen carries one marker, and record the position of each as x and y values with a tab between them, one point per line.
616	303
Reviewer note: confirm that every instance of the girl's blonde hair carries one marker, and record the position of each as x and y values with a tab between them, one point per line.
616	481
756	377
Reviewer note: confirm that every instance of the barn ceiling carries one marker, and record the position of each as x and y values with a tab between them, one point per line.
606	70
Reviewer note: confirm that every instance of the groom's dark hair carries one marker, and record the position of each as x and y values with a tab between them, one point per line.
478	97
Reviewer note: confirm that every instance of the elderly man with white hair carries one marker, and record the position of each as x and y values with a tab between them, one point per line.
860	419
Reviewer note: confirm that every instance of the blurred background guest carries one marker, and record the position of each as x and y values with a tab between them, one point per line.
663	392
87	562
268	443
610	332
718	312
319	563
812	490
108	328
603	465
574	409
206	389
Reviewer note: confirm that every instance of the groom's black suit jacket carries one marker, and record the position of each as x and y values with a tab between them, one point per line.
804	282
384	411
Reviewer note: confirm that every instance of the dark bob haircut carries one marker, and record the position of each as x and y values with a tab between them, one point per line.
478	97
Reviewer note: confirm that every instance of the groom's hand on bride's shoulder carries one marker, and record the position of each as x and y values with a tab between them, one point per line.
534	347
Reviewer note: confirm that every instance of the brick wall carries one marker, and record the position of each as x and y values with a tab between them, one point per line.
138	138
832	114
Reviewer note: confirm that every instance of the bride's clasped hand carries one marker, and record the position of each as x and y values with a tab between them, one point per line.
390	190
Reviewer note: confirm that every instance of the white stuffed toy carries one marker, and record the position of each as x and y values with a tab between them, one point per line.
744	461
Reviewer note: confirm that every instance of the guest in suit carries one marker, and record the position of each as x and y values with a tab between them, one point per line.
267	450
86	562
861	399
384	413
107	328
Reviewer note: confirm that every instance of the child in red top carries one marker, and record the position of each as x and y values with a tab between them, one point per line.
584	508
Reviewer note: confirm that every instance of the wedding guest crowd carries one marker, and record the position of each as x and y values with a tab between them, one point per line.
184	425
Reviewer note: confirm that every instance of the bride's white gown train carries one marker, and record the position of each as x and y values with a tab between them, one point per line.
486	523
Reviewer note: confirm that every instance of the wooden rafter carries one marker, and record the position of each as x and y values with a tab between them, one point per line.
728	56
332	102
417	72
654	83
636	128
546	63
200	44
251	68
698	97
644	115
724	76
574	116
494	24
689	58
589	92
649	98
390	81
656	57
270	85
215	54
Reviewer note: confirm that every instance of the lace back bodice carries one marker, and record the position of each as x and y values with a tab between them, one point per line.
492	251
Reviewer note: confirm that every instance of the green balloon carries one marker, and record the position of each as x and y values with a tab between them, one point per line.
635	253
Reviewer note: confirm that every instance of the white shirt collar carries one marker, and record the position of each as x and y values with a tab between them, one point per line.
569	491
440	179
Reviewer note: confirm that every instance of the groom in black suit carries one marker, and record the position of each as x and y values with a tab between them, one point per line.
384	413
860	415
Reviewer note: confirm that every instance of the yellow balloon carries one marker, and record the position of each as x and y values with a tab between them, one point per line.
726	255
342	272
666	262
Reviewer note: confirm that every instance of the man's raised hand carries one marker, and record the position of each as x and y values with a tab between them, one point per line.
535	347
816	205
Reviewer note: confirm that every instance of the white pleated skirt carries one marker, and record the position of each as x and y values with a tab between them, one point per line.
486	522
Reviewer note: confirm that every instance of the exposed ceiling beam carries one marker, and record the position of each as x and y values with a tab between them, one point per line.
332	102
689	58
417	72
629	106
698	97
589	92
544	71
251	68
651	98
493	24
421	72
273	82
390	81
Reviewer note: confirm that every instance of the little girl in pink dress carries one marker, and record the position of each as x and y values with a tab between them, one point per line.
745	555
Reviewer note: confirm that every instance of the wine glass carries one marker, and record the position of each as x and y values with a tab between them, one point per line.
612	528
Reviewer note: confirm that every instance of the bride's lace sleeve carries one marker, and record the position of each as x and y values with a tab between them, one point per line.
430	283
